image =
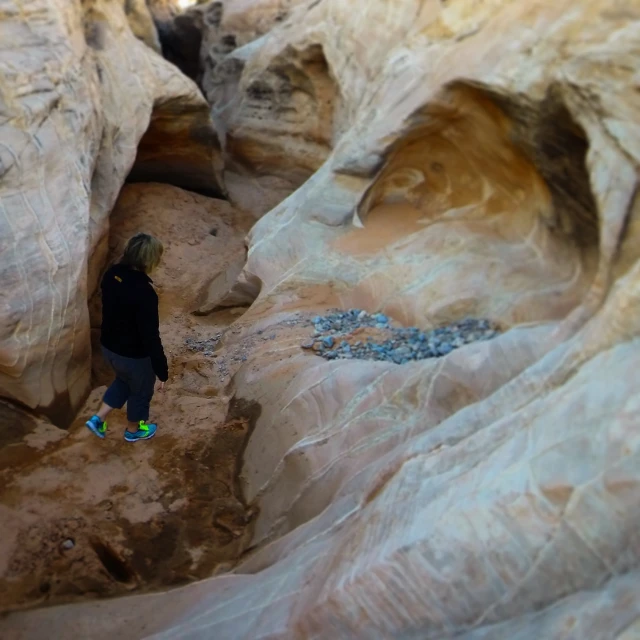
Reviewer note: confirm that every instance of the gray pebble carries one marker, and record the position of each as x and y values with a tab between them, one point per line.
445	348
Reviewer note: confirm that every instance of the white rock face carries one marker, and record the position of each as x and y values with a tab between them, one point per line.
483	161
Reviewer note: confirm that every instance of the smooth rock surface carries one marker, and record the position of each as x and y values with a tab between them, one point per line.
483	162
78	92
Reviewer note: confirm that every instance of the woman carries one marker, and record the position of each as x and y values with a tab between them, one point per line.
131	339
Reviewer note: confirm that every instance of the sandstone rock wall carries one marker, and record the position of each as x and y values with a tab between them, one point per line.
77	93
279	130
484	161
141	23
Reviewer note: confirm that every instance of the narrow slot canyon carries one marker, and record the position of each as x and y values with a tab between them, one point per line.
399	299
140	520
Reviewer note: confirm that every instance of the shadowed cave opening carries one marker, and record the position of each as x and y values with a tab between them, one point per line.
180	148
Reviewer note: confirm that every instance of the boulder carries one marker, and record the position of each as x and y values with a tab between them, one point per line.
79	91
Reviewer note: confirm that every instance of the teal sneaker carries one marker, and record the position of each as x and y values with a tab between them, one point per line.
95	425
145	432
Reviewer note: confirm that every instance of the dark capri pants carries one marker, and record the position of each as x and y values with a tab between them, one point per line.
134	384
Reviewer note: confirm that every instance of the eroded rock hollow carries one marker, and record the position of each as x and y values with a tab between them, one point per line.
420	160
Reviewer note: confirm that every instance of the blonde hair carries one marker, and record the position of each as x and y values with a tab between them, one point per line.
143	252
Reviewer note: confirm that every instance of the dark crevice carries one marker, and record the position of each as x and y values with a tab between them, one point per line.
239	408
115	566
59	412
181	40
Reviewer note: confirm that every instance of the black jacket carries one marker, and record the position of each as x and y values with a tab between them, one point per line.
130	323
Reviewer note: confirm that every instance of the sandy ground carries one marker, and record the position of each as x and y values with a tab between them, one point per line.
81	517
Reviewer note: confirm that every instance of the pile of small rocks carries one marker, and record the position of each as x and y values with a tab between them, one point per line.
204	346
341	335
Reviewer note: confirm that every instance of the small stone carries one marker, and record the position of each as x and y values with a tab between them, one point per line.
68	544
381	318
307	344
328	341
445	348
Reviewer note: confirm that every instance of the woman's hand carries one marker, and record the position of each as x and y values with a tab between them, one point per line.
161	387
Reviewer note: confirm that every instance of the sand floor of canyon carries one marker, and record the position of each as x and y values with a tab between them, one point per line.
82	518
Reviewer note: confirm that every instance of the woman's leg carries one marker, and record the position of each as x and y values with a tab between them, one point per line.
114	397
142	382
118	392
104	411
